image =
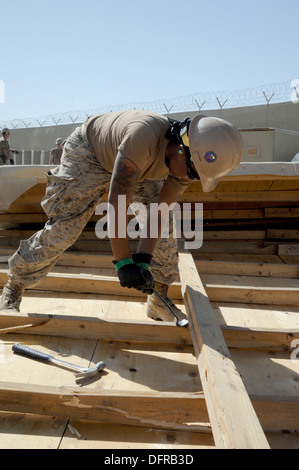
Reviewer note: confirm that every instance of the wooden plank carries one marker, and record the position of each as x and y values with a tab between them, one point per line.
282	212
248	289
288	250
164	410
94	265
26	218
239	258
252	295
282	185
241	196
29	207
227	280
233	214
97	328
233	419
277	413
233	185
232	235
20	431
290	259
230	184
257	316
282	234
237	247
248	269
150	440
180	411
255	177
87	284
227	246
104	260
227	186
259	338
141	332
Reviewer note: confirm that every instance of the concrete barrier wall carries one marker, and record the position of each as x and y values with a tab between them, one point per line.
260	145
276	116
39	138
32	157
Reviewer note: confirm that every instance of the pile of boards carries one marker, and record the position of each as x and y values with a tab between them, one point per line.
230	380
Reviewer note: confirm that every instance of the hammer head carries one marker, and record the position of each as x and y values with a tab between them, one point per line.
91	372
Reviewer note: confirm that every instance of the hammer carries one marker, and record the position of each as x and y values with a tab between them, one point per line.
82	372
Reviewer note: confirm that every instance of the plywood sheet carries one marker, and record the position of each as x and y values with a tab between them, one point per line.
21	431
112	437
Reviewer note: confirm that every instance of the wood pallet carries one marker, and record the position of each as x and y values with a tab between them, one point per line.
228	381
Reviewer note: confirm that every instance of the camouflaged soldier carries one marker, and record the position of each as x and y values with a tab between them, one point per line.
5	150
56	153
143	157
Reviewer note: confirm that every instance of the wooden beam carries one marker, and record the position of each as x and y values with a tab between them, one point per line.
229	246
143	332
233	419
23	218
177	411
259	338
241	196
84	283
208	234
282	234
70	259
216	290
250	289
238	247
96	328
288	249
277	413
247	269
253	294
164	410
291	212
213	263
223	288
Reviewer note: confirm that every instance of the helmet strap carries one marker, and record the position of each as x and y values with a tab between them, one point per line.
190	172
174	135
174	132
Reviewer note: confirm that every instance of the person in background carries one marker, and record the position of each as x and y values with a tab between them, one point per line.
5	150
55	155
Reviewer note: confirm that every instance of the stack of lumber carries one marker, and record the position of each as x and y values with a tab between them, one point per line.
230	380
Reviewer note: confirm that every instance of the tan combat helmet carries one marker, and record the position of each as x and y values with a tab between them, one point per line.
216	148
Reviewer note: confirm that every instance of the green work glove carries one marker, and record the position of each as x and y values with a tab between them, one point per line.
134	275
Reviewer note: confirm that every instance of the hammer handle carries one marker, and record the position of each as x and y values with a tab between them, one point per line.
32	353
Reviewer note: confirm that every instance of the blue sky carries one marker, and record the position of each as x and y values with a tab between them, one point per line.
59	56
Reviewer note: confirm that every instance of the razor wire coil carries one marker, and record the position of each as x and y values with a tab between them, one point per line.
266	94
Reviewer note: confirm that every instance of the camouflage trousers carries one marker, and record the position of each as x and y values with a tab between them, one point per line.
74	189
